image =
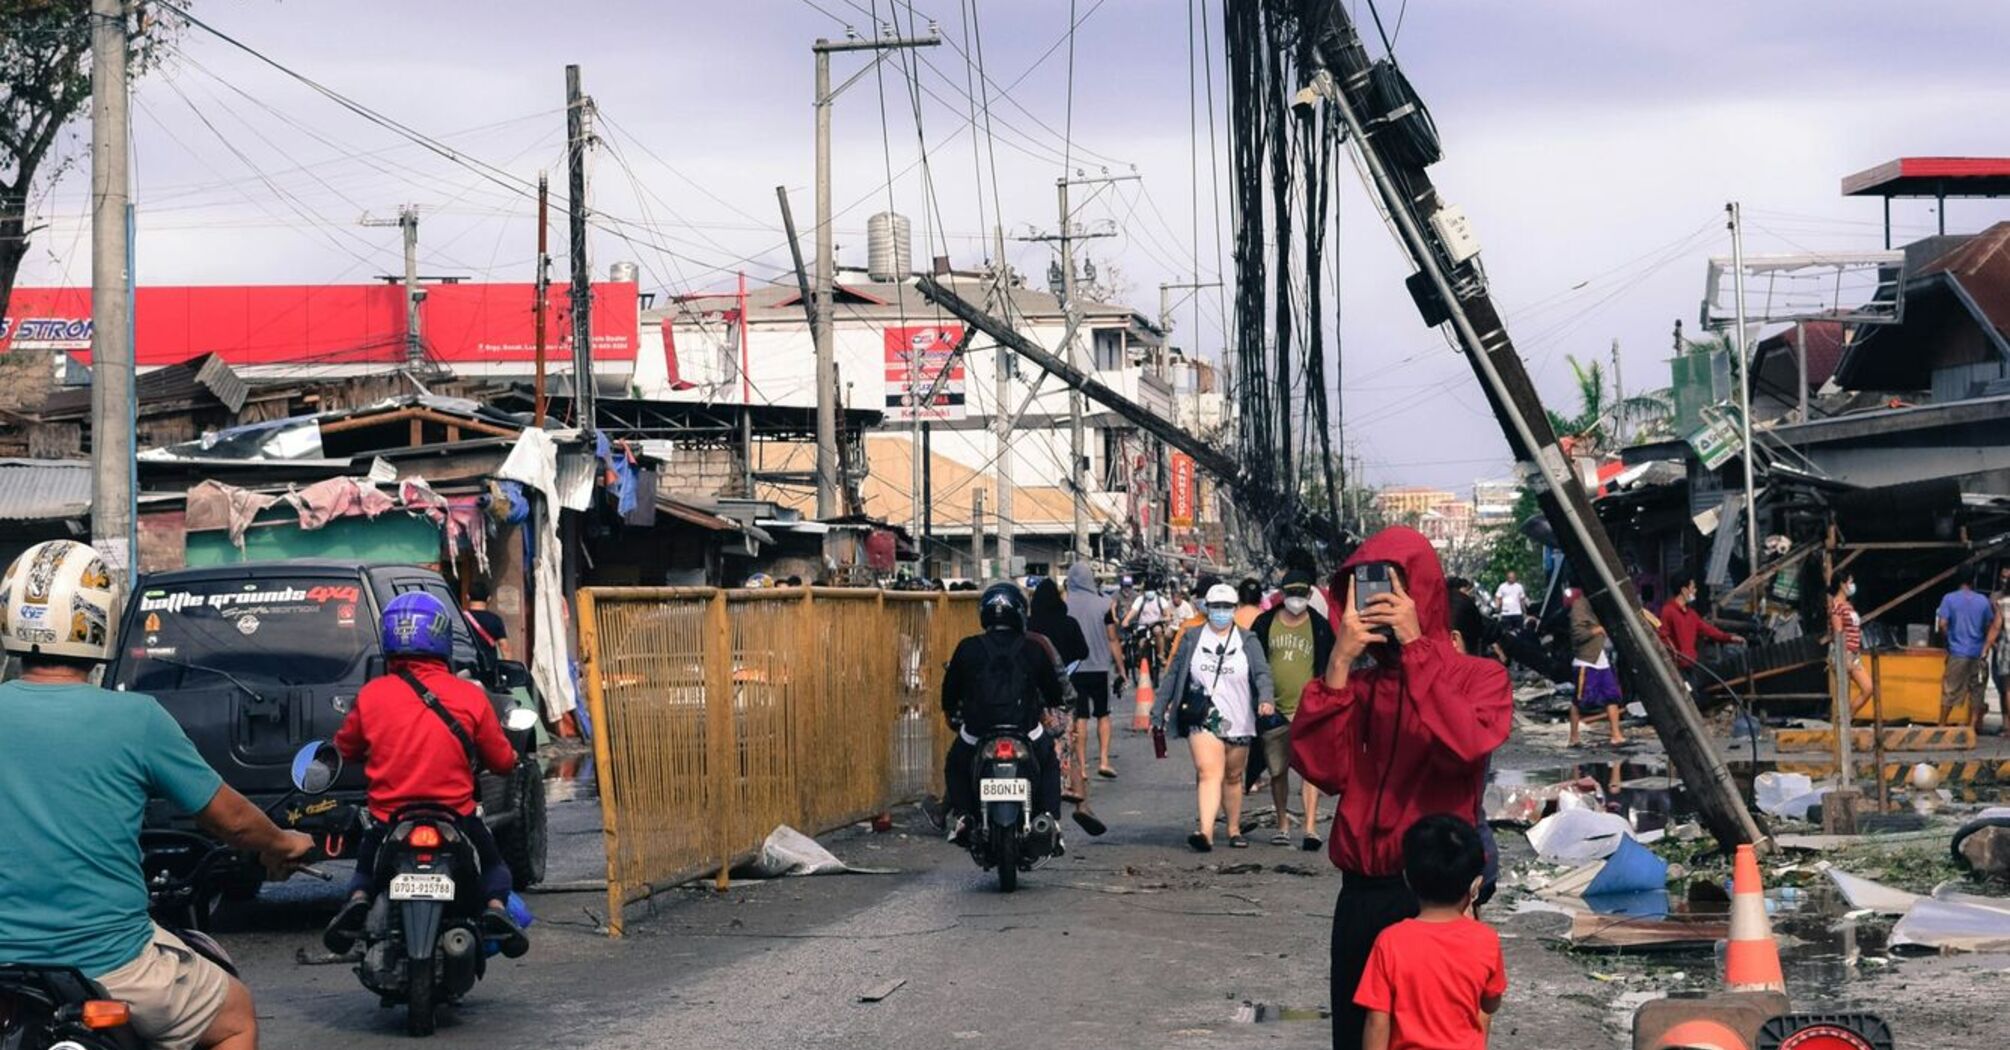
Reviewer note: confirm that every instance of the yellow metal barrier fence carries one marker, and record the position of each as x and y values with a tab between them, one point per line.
719	714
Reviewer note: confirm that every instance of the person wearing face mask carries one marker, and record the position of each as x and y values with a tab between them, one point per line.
1297	641
1844	621
1216	686
1681	627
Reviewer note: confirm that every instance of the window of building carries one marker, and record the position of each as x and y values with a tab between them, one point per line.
1109	349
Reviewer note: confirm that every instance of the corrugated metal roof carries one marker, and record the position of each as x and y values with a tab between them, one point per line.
44	489
207	377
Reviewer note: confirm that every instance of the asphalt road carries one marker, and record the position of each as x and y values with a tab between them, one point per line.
1129	941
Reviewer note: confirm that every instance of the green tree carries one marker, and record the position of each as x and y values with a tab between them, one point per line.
45	82
1505	548
1593	425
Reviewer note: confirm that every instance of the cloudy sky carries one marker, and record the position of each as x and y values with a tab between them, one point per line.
1593	143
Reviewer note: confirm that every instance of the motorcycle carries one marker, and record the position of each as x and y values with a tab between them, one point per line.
422	942
58	1008
1008	835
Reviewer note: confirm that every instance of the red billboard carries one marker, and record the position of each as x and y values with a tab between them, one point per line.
1179	509
915	357
354	324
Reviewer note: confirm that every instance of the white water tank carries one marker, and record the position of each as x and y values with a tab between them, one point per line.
889	247
623	273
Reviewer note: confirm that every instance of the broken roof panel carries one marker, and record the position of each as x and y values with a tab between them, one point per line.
196	380
44	489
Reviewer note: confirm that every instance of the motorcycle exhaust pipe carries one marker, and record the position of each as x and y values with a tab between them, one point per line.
459	943
1045	831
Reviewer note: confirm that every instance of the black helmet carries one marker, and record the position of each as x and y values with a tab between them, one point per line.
1003	608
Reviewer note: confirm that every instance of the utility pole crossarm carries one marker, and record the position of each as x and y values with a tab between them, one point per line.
1205	456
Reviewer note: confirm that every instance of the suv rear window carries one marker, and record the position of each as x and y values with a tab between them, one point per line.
273	631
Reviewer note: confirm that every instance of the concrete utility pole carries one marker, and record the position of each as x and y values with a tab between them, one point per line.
1001	306
112	467
1441	247
543	289
1744	389
578	136
977	535
1078	467
407	223
1618	400
826	265
1161	496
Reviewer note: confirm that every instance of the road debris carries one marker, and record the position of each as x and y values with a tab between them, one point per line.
880	991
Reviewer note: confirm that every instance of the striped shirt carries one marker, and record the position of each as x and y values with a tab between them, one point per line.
1852	624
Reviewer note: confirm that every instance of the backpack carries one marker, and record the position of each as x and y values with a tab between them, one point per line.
1000	695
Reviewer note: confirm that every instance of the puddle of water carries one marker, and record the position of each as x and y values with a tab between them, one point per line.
570	777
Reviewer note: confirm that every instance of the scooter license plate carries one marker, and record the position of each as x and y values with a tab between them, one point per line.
415	887
1020	790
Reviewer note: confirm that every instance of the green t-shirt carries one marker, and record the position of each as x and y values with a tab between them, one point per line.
1290	653
77	765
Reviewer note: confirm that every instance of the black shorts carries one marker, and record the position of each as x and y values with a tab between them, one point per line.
1092	694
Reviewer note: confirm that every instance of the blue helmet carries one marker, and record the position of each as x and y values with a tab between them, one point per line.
417	624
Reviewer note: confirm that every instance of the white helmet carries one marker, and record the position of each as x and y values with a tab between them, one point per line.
58	599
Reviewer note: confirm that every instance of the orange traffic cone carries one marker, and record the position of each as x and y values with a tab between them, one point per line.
1701	1035
1141	719
1752	958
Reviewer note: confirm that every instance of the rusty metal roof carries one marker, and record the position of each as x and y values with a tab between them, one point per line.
44	489
197	379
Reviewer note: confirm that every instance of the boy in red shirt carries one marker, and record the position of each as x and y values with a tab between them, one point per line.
1434	982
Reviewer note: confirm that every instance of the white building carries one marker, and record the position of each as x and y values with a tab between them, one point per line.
756	347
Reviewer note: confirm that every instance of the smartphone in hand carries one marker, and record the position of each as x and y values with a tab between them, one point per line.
1370	579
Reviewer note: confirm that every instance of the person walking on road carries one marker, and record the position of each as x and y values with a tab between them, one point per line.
1094	678
1049	619
1298	642
1409	736
1248	602
1964	618
1216	686
1845	623
1511	599
1435	980
1999	645
1682	627
1597	680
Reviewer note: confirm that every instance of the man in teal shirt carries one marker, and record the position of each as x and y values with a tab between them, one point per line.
77	766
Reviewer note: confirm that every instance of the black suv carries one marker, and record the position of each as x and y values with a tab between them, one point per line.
257	659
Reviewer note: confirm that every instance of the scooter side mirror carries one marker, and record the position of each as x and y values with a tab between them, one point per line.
315	767
520	720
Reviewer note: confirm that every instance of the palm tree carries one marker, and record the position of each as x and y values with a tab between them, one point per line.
1644	414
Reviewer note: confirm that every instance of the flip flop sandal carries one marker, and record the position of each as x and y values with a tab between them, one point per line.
1107	773
1280	839
1311	844
1199	843
1237	842
1090	822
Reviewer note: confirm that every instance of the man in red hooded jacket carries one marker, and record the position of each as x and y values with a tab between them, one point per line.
1403	739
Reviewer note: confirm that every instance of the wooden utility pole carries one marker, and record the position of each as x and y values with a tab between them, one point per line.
578	135
112	467
1001	306
543	284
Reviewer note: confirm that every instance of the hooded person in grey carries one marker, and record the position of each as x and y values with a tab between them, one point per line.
1093	678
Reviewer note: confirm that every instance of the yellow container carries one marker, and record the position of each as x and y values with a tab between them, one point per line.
1910	681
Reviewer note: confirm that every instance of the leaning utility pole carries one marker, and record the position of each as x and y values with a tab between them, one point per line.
112	467
1618	401
1077	474
407	223
1451	288
826	266
578	135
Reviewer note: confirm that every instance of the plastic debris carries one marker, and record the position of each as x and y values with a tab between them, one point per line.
1578	835
1788	795
1962	925
1632	868
790	852
1865	894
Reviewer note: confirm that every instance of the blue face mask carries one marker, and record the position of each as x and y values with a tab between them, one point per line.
1220	618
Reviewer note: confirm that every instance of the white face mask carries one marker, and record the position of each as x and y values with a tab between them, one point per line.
1296	605
1850	588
